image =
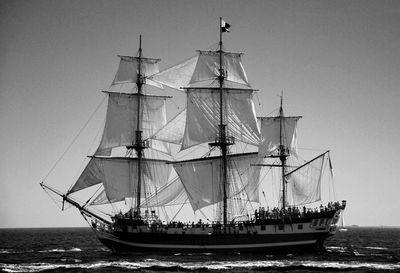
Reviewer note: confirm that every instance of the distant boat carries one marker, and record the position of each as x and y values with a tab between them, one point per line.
223	185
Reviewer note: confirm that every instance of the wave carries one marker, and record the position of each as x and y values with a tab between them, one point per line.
376	248
336	249
102	249
12	251
151	264
74	249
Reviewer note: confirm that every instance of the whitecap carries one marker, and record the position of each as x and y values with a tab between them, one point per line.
376	248
339	249
52	250
212	265
103	249
75	249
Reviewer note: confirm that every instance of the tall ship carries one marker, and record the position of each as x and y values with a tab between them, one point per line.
214	178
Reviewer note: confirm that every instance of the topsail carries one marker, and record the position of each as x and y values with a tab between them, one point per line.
121	120
277	131
127	74
202	118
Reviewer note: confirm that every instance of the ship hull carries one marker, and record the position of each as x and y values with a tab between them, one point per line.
266	235
177	243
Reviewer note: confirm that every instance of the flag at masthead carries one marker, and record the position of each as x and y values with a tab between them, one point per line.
225	26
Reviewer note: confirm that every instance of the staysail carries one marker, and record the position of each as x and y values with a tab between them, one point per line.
173	131
171	194
203	70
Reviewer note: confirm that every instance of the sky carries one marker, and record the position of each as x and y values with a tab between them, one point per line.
337	62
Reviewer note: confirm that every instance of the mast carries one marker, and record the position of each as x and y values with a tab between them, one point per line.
282	155
222	128
139	144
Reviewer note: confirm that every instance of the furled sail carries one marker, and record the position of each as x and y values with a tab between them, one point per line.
271	134
304	182
203	70
203	119
121	120
120	176
201	179
128	71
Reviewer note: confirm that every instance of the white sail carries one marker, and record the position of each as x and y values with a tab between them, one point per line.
121	120
100	199
203	70
202	179
304	183
207	67
120	176
173	131
91	175
271	134
177	76
203	116
128	70
171	194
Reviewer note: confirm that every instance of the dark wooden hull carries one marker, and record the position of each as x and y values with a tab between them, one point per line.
297	235
177	243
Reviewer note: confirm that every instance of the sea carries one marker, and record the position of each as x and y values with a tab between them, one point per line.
359	249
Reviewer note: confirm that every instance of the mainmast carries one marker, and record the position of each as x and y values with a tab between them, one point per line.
223	142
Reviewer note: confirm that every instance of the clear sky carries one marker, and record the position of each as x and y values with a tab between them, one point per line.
338	63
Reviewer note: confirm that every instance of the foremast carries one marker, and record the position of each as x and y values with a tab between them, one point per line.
132	117
139	145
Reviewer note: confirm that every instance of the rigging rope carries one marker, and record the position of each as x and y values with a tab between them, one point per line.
54	200
179	210
91	197
75	138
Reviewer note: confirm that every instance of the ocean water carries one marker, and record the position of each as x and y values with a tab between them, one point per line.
78	250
